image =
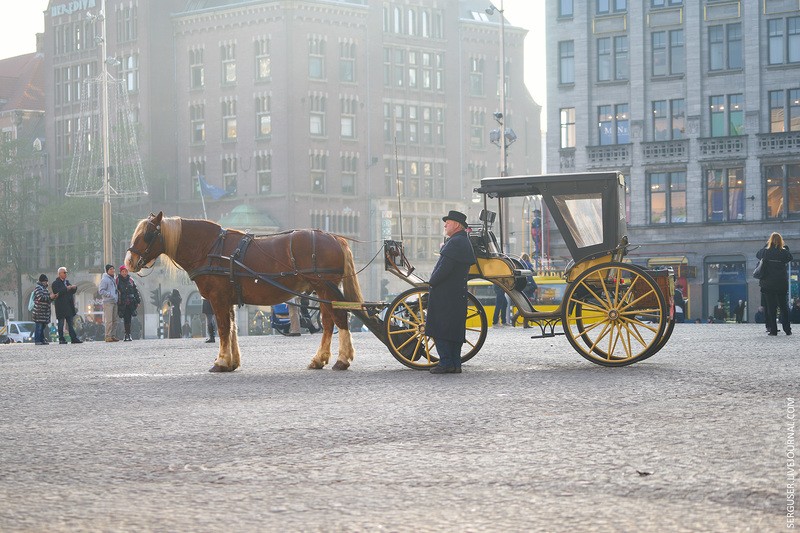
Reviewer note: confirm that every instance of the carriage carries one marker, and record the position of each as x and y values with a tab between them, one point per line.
613	312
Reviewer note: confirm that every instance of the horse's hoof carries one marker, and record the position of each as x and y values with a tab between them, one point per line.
314	366
217	368
340	366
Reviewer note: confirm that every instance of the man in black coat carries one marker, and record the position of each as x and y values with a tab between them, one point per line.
447	303
65	306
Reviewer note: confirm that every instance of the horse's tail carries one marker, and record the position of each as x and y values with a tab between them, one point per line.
352	290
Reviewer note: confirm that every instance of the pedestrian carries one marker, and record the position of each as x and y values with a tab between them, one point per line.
680	306
739	311
129	300
108	292
447	301
211	324
794	313
175	300
719	313
530	288
759	317
65	306
536	233
500	307
775	282
42	298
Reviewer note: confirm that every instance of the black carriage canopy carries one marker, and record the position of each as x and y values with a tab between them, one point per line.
588	207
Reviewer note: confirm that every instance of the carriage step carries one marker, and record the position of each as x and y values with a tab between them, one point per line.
546	335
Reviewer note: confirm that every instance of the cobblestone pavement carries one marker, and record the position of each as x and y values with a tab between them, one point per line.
531	437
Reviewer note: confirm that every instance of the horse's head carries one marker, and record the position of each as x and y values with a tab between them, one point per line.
147	243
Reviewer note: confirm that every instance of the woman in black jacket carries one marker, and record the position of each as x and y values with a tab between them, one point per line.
775	283
129	299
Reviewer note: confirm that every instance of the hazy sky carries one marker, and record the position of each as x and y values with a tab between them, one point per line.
20	20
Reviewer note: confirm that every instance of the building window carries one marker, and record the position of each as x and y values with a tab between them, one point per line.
784	40
349	169
611	6
782	189
263	60
264	173
198	123
613	124
669	119
229	120
612	61
667	197
668	53
317	115
196	168
348	117
476	76
567	127
263	116
727	115
347	61
229	174
565	8
227	53
725	47
665	3
725	194
413	121
196	69
566	65
127	23
129	71
477	128
318	165
316	58
784	117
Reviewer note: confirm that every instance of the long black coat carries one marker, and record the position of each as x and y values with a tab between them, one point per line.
447	304
65	301
775	260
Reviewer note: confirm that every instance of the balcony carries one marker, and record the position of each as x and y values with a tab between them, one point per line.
785	143
722	147
609	156
660	152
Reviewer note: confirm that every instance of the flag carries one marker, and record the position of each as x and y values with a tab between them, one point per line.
215	193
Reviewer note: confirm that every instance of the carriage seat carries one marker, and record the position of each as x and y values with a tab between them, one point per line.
483	244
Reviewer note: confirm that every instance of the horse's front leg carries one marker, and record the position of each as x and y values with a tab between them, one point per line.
235	360
324	351
224	362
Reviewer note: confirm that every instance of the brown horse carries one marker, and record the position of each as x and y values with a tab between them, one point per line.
299	260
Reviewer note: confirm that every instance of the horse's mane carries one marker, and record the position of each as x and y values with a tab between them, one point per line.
171	232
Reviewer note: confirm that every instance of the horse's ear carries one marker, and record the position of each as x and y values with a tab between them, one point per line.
157	219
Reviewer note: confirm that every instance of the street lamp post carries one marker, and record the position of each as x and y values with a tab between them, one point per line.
504	136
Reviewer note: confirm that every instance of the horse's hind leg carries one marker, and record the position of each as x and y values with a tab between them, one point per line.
323	354
223	362
346	351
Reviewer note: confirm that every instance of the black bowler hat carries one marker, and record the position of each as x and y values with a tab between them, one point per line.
459	217
43	277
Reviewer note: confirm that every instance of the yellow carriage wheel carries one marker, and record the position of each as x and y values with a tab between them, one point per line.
405	329
615	314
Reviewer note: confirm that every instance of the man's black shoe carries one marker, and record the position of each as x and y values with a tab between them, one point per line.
445	370
62	341
210	340
76	341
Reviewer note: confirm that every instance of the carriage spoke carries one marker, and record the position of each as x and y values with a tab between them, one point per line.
605	289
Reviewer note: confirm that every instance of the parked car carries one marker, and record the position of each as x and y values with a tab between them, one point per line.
20	331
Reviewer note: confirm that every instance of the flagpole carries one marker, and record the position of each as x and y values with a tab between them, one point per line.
202	196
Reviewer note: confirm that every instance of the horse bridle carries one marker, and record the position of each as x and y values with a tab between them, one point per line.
149	238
